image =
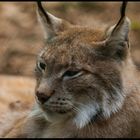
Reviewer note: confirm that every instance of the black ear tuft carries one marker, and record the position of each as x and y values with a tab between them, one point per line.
41	10
51	25
121	29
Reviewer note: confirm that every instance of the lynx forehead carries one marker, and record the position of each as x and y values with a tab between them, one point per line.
76	40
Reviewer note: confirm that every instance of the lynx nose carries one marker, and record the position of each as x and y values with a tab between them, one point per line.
42	97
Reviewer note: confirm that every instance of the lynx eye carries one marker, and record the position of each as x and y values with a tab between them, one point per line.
72	74
41	65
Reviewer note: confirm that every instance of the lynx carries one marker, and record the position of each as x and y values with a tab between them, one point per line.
87	84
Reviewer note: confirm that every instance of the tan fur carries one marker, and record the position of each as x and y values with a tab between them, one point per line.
102	101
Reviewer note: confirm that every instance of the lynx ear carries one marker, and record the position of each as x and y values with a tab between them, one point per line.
117	43
51	25
121	29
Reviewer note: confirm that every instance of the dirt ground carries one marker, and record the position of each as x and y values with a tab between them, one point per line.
21	38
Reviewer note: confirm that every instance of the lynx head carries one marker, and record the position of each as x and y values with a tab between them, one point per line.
79	70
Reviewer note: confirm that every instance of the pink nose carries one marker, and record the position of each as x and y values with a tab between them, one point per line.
42	97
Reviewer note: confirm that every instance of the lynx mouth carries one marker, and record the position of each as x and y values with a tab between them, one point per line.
56	115
56	109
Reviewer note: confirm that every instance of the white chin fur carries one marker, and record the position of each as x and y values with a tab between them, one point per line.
114	105
55	117
86	112
49	116
84	115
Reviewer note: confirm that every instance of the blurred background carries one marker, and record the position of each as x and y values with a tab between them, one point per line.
21	37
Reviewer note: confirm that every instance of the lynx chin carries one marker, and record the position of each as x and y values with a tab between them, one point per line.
87	84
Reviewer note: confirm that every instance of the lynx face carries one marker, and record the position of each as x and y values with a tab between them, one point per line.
79	70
